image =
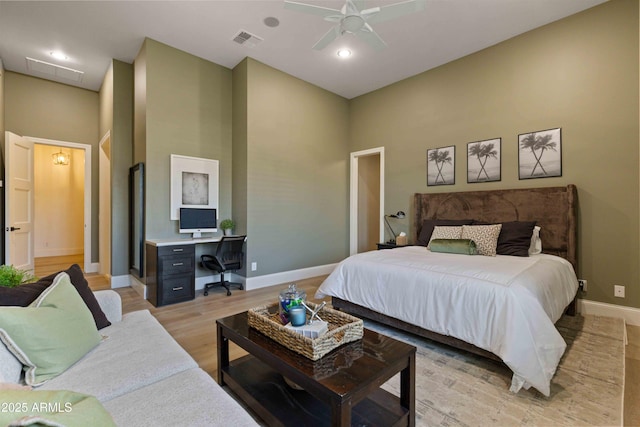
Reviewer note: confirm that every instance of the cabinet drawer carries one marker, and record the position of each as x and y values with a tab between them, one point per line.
177	288
177	250
177	264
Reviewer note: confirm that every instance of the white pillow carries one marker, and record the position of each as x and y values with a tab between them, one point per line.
445	232
536	242
484	236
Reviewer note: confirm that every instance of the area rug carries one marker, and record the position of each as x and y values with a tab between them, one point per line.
456	388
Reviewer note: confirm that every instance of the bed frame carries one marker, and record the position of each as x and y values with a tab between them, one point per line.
554	209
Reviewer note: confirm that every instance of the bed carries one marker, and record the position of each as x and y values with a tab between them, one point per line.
503	307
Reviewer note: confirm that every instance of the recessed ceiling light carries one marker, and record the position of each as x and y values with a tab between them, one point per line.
344	53
271	21
59	55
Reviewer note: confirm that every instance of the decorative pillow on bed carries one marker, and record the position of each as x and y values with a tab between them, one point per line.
536	242
444	232
515	238
485	236
454	246
429	224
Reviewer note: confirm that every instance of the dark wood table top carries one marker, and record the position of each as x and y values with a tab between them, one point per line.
346	371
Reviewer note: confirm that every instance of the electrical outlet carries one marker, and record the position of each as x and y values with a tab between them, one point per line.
254	266
582	284
618	291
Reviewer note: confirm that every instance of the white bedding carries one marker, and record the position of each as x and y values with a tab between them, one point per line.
507	305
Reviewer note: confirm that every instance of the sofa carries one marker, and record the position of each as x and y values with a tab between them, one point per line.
137	373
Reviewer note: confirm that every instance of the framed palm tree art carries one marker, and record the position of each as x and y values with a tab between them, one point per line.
441	166
484	160
540	154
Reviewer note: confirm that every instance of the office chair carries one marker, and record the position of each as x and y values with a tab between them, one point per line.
228	257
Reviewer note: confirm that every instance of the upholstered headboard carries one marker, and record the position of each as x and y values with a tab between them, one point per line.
554	209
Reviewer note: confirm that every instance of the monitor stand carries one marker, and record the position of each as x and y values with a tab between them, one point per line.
197	235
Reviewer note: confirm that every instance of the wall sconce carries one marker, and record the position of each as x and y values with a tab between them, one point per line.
399	215
60	158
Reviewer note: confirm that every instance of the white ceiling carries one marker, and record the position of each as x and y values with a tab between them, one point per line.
93	32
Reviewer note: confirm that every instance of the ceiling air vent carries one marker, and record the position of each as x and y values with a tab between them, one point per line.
47	68
245	38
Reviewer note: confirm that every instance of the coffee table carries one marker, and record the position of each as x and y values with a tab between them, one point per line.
340	389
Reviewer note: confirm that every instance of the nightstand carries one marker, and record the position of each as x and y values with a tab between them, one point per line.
386	245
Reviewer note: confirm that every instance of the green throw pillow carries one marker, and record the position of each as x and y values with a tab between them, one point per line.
52	333
454	246
52	408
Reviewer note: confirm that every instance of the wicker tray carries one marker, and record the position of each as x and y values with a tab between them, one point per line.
342	328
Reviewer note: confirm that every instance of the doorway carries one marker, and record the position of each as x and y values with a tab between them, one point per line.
366	200
81	214
58	226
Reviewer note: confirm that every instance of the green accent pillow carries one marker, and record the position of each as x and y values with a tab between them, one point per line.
52	333
454	246
52	408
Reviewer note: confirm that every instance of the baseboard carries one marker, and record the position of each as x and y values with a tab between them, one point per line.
92	267
267	280
122	281
631	315
250	283
48	252
138	286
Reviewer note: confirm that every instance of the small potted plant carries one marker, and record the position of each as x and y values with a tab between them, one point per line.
227	226
12	277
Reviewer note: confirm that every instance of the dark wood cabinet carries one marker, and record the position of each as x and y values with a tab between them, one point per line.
170	274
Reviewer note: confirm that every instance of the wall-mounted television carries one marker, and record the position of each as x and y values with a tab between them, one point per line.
197	221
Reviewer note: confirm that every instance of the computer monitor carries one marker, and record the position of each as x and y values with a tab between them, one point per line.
197	221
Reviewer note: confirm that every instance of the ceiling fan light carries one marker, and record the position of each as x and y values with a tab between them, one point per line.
344	53
352	24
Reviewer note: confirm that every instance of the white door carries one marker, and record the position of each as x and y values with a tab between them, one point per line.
19	200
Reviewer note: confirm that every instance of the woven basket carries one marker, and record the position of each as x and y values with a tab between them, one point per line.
342	328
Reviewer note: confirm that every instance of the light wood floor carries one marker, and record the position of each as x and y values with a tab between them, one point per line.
192	324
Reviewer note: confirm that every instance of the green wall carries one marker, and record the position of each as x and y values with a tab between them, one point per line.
297	172
116	117
187	111
580	74
45	109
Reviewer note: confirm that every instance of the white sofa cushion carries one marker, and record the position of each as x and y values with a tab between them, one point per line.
137	352
10	367
111	304
191	398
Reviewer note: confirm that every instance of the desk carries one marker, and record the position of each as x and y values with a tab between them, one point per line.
171	269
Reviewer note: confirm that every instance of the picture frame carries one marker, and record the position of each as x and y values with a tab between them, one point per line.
540	154
194	183
441	166
484	160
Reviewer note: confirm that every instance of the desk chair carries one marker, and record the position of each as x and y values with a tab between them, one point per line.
228	257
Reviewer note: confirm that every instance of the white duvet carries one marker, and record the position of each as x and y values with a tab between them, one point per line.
505	304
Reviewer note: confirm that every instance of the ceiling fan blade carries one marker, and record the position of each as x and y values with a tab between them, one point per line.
359	4
351	8
326	39
310	9
397	10
368	35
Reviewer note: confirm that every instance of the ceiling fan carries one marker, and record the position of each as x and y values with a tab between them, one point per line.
353	18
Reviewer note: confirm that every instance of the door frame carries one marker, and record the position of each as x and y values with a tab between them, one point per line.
88	266
353	196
